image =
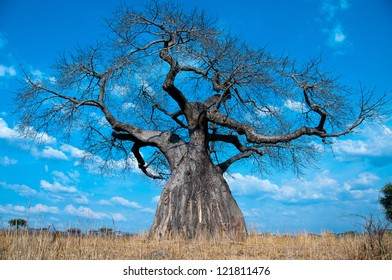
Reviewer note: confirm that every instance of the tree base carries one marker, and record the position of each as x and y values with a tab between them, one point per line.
196	203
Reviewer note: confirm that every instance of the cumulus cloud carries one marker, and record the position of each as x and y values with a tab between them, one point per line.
5	161
52	80
84	212
81	200
22	190
48	152
336	36
266	111
118	217
295	105
41	208
374	141
41	137
37	74
74	152
148	210
365	180
244	185
94	162
104	202
12	209
331	7
155	199
119	90
365	195
13	134
126	106
61	177
7	71
125	202
38	208
74	175
321	186
56	187
5	131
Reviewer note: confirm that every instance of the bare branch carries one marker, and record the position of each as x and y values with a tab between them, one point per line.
141	163
226	164
263	105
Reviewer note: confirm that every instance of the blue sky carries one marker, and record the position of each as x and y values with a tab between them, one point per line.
47	184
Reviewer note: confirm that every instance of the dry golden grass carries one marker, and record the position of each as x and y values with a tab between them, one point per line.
20	245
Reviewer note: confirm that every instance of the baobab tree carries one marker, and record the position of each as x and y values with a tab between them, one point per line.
169	85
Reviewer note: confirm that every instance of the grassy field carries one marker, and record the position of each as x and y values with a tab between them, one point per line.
21	245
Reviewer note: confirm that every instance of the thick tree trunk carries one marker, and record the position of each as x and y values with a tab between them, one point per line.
196	202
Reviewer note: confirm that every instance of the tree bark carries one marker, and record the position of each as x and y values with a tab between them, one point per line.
196	202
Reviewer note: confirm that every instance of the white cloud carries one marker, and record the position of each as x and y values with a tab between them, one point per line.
266	111
7	71
48	152
5	131
126	106
40	208
94	162
119	90
155	199
321	186
104	202
5	161
74	175
337	34
118	217
344	4
11	209
148	210
81	200
365	180
23	190
12	133
376	142
40	137
243	185
61	177
365	195
75	152
125	202
295	105
52	80
84	212
37	75
56	187
330	7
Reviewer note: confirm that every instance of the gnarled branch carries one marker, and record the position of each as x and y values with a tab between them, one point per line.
141	163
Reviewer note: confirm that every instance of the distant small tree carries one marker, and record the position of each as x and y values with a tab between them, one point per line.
386	200
74	231
105	231
17	223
